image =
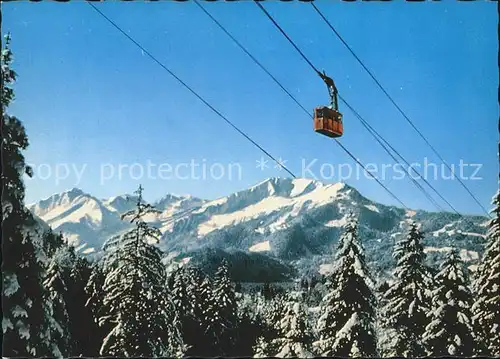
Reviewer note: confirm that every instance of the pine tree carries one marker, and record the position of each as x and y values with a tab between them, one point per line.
270	312
82	325
261	348
94	294
201	340
51	242
273	314
404	316
295	339
250	325
55	284
94	290
266	291
346	327
180	295
238	288
221	315
190	291
136	300
450	331
486	309
66	279
27	324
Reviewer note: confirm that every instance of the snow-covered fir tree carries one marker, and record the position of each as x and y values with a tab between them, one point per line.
137	305
94	294
408	299
199	289
261	348
270	310
250	325
266	291
221	315
451	331
200	341
191	295
55	283
273	311
82	325
295	337
28	326
51	242
486	308
66	279
181	297
346	325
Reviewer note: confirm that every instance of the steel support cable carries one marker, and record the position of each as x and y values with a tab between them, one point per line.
318	72
416	182
403	159
371	174
257	61
358	116
398	107
249	54
370	128
222	116
365	123
387	148
279	163
285	35
277	81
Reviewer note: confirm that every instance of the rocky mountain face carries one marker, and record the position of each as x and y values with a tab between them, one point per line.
271	231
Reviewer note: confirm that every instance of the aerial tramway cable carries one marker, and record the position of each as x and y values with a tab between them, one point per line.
369	128
365	124
284	89
279	163
360	118
397	107
215	110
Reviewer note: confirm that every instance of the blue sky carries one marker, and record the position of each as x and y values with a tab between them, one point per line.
88	97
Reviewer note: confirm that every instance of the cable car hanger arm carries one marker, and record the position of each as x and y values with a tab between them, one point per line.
332	89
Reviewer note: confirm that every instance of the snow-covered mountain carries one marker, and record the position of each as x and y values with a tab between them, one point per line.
289	220
84	219
88	221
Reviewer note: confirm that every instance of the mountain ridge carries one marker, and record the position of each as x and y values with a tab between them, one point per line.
296	221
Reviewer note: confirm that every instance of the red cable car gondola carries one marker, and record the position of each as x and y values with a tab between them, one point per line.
328	120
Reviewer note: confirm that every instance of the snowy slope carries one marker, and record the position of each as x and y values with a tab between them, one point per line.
296	220
87	221
84	219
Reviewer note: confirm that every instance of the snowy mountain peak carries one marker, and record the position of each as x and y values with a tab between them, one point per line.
166	201
74	192
122	203
58	199
169	198
288	218
78	215
301	186
289	187
172	203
